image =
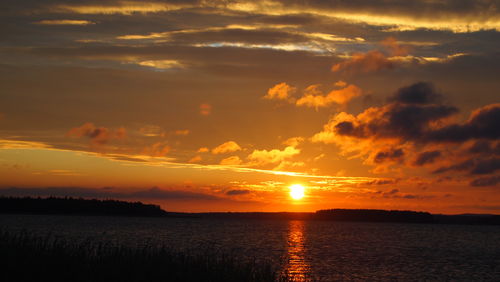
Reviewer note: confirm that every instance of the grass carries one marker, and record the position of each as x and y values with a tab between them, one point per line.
27	257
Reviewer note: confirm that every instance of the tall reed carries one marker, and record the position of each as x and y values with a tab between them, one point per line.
28	257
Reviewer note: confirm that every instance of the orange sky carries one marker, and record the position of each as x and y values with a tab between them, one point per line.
222	105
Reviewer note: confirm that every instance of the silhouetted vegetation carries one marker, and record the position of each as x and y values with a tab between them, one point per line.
405	216
25	257
375	216
74	206
470	219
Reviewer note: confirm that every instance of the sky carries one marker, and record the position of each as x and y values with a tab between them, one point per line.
219	105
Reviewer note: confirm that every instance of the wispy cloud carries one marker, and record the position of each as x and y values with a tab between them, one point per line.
162	64
64	22
119	7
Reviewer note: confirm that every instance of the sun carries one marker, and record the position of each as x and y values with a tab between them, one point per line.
297	191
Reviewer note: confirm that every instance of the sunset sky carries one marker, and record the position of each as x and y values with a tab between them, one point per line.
219	105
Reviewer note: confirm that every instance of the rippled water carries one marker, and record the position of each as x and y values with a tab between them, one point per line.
321	250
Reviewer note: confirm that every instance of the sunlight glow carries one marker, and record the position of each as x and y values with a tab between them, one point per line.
297	191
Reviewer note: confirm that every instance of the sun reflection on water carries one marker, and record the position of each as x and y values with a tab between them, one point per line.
297	266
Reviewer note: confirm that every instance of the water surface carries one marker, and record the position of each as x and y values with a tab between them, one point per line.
323	250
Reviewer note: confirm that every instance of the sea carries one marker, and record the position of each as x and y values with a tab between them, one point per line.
307	250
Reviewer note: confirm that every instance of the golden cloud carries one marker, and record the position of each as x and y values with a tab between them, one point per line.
293	141
288	164
313	97
264	157
372	14
64	22
233	160
227	147
395	21
121	7
281	91
203	150
18	144
161	64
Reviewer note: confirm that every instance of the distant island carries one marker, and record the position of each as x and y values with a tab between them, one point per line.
79	206
375	215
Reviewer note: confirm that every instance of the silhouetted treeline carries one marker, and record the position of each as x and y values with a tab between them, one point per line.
360	215
470	219
72	206
375	215
79	206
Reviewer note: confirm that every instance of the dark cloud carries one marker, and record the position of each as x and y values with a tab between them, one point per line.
485	147
409	120
58	192
348	128
97	135
237	192
389	155
221	60
382	182
292	19
413	122
417	9
390	193
486	166
427	158
125	158
396	194
462	166
414	196
235	35
416	119
106	193
486	181
397	121
419	93
474	166
157	193
483	123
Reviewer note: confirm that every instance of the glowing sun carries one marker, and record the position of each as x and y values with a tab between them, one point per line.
297	191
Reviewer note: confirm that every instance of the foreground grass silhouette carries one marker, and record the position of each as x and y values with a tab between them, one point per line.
26	257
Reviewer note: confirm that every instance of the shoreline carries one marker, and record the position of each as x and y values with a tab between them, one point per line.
94	207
